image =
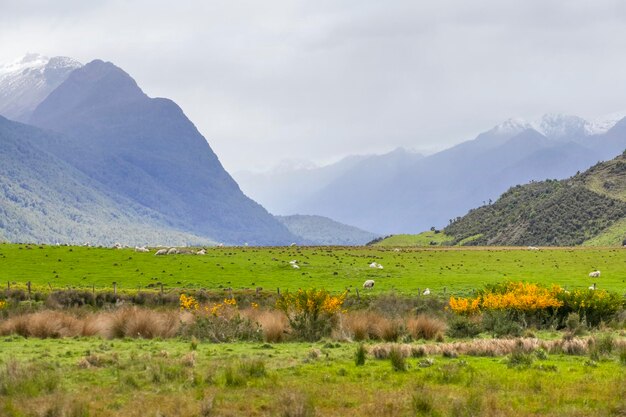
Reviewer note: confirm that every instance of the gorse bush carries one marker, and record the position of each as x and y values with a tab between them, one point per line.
526	304
311	313
595	306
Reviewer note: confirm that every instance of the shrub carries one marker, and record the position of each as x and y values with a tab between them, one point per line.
463	327
502	323
359	357
519	359
398	362
595	306
219	329
310	313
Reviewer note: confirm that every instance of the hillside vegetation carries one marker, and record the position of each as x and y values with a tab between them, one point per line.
553	213
429	238
319	230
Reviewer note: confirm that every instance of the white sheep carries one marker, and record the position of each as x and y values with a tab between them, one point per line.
293	262
161	252
172	251
368	284
426	291
295	266
376	265
593	287
201	252
141	249
594	274
293	244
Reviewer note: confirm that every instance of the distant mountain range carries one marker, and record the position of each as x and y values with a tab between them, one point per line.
103	133
404	192
318	230
98	160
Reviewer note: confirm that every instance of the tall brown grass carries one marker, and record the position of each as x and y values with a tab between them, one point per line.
274	324
425	327
126	322
487	347
142	323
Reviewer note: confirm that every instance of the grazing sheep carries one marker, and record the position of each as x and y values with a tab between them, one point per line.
201	252
117	246
141	249
161	252
426	291
293	244
533	248
376	265
295	266
293	262
594	274
368	284
593	287
172	251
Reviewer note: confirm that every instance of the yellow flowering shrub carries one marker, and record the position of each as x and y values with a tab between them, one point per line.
3	304
520	296
310	312
217	322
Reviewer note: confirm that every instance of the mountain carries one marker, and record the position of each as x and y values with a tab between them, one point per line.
407	193
147	151
586	208
318	230
27	82
284	187
45	200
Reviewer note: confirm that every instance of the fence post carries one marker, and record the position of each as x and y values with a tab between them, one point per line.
114	288
28	285
50	286
358	297
8	285
278	291
161	284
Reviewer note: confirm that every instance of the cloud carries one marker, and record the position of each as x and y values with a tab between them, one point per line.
292	79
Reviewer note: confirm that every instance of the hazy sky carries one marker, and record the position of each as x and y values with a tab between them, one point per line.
276	79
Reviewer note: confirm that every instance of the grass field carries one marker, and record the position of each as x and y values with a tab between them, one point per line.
92	377
405	271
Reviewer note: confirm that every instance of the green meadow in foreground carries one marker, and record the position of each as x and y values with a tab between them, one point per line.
95	377
334	268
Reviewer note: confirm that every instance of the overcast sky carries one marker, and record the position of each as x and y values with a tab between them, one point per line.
285	79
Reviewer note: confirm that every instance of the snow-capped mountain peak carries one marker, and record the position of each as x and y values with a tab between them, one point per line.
603	124
26	82
558	126
511	126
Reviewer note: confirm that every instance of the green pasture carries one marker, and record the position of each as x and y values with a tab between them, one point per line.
405	270
95	377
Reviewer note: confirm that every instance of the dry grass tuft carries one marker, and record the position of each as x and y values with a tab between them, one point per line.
142	323
425	327
273	324
43	324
